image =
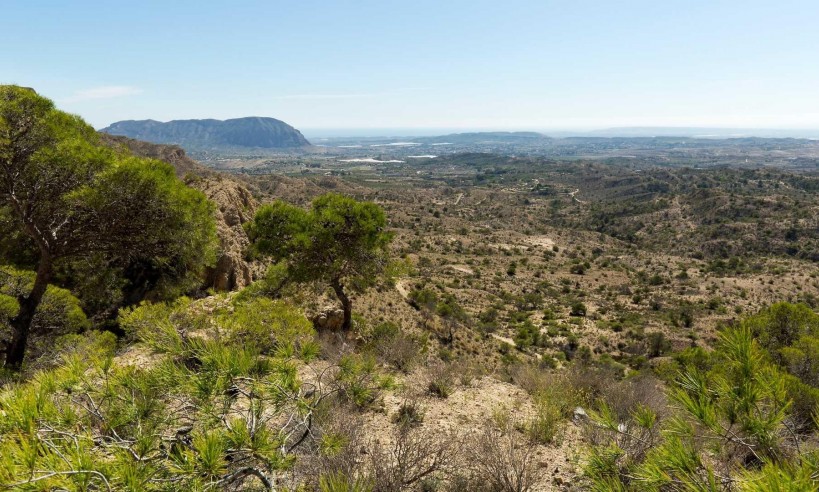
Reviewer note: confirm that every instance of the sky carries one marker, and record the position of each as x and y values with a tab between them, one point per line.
500	65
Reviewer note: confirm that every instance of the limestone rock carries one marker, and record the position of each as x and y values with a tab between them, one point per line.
329	318
234	206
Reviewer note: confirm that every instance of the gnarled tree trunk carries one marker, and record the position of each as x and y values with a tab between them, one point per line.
346	304
21	324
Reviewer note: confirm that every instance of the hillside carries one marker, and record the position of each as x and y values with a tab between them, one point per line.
235	205
172	154
250	132
478	321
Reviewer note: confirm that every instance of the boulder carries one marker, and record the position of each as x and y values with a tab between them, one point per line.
328	318
579	414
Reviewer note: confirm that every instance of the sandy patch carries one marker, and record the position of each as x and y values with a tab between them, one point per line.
542	241
462	269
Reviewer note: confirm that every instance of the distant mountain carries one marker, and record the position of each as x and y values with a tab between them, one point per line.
485	137
251	132
693	132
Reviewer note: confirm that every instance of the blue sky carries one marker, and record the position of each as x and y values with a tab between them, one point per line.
540	65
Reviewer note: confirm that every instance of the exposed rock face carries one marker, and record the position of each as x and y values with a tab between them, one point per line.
256	132
234	206
328	318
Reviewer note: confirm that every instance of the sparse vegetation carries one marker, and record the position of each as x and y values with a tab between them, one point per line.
521	323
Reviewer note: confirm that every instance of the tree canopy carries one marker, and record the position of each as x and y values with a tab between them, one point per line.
65	197
340	241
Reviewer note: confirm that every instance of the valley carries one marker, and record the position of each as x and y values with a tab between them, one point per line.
461	246
517	305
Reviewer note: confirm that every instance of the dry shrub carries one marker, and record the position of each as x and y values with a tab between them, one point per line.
395	347
465	371
547	425
622	395
335	448
444	377
555	396
441	380
627	395
341	457
529	377
413	455
592	380
625	399
409	413
498	459
334	345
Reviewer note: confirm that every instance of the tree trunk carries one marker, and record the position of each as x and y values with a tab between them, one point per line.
21	324
346	305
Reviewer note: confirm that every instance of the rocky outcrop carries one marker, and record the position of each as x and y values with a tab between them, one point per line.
235	205
172	154
329	318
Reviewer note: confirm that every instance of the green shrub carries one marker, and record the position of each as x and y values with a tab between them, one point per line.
157	324
409	413
206	408
527	335
578	309
58	314
657	344
339	482
359	380
546	425
782	324
732	419
270	326
8	307
275	280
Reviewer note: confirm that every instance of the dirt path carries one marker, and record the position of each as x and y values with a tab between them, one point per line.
462	269
504	339
575	192
458	200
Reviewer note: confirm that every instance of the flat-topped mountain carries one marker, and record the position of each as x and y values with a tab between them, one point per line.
253	132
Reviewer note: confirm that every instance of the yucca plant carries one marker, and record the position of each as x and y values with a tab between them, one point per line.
338	482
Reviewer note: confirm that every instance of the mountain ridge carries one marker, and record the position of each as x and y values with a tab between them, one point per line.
247	132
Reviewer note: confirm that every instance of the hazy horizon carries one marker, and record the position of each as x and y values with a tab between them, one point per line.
398	132
718	132
523	65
